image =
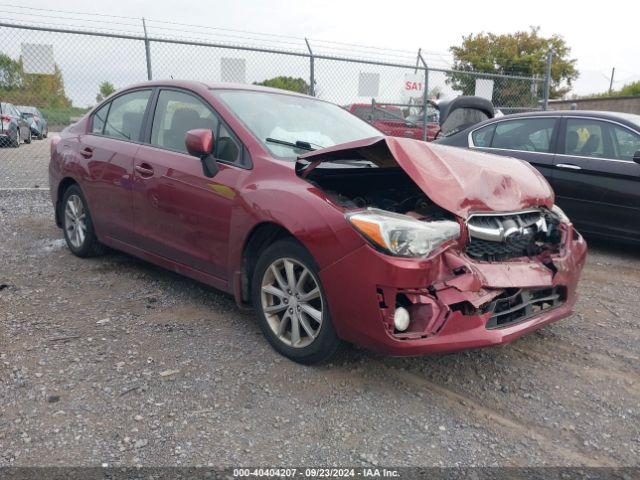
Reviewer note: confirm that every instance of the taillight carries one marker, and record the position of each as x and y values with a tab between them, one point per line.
5	118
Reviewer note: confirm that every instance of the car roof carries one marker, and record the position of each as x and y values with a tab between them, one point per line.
625	118
191	84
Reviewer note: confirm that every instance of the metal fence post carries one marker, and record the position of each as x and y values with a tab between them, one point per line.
547	81
147	50
312	75
425	97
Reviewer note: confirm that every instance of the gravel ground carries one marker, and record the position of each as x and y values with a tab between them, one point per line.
112	360
25	166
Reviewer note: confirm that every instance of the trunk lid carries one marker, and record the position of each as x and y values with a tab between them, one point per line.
458	180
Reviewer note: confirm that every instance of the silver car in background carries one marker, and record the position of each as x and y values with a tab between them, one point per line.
35	119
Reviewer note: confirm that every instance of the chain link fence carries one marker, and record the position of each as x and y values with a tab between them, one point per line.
61	73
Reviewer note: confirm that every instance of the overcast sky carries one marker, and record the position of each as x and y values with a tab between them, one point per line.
601	35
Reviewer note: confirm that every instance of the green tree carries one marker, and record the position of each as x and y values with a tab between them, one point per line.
521	53
286	83
628	90
45	90
106	88
40	90
10	73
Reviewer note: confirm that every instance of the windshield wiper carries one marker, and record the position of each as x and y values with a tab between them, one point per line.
297	144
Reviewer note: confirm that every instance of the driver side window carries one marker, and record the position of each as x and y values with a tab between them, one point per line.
176	114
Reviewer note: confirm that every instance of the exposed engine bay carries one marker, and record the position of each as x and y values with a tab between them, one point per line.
491	236
388	189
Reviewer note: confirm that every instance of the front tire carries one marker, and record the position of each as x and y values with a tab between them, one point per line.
78	226
291	305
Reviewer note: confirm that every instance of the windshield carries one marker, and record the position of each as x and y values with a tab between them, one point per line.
292	119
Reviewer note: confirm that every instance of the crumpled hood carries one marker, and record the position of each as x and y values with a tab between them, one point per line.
459	180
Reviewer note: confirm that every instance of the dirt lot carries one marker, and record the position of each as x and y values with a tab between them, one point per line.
112	360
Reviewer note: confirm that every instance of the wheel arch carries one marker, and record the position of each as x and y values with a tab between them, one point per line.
259	238
64	184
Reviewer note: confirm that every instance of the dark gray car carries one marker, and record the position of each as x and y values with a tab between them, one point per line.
13	128
591	159
36	120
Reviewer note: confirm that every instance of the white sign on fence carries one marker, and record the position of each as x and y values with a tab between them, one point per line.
37	58
412	86
368	84
233	70
484	88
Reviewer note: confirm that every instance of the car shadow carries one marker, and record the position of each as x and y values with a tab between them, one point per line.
625	250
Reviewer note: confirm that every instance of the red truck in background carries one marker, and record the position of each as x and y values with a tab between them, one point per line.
444	117
390	120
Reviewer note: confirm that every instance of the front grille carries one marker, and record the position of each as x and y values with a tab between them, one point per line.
506	236
489	250
517	305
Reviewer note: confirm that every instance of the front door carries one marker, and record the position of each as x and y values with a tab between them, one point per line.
179	213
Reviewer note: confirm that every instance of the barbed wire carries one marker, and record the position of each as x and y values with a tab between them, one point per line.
72	19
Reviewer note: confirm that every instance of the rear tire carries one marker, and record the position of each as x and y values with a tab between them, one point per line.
16	143
291	304
78	225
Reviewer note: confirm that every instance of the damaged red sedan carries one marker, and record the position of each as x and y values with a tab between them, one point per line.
332	232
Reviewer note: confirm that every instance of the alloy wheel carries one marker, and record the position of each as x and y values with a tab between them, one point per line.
292	302
75	221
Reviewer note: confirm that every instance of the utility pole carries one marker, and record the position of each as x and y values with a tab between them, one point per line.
613	72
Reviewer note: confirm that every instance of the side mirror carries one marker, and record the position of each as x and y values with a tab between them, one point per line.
636	157
199	143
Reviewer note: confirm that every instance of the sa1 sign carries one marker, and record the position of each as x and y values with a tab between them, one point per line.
413	85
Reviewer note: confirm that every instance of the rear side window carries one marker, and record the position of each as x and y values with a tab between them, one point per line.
126	114
586	138
528	134
99	118
177	113
482	137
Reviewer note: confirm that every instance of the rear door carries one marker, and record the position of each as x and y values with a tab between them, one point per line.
532	139
107	152
596	181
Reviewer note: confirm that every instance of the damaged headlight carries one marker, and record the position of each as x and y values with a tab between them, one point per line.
401	235
560	215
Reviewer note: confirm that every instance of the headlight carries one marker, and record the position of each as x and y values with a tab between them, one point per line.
557	211
401	235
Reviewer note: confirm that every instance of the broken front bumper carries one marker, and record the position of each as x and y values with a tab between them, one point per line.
454	302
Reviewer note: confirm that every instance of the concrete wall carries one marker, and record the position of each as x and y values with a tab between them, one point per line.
613	104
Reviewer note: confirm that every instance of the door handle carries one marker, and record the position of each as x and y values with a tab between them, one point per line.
568	166
145	170
86	152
